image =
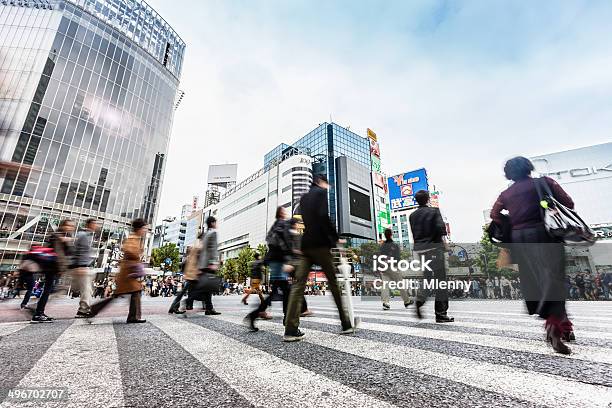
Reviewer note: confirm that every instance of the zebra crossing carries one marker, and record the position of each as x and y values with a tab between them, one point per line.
492	355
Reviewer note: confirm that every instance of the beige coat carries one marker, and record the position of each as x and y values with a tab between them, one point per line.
192	272
132	254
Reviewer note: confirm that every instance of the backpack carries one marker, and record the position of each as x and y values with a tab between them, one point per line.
276	238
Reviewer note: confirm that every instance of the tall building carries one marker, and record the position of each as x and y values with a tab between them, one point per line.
88	90
326	143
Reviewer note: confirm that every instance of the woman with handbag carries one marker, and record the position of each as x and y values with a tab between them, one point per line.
131	270
540	257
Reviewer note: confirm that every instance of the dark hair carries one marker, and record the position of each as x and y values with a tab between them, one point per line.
256	255
279	210
64	222
318	178
210	221
138	223
518	168
90	221
422	197
388	234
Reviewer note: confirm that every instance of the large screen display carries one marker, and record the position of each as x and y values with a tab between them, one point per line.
403	187
359	205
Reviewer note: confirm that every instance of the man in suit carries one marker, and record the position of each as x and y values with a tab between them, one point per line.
208	261
319	237
429	233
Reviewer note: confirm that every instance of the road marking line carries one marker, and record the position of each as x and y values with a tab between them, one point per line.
84	359
475	325
515	382
261	378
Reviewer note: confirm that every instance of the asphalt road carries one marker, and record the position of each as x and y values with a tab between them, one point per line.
493	355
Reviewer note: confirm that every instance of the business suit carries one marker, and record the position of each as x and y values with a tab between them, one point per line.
428	230
319	237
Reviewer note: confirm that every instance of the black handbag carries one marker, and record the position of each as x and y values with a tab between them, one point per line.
207	282
562	224
500	233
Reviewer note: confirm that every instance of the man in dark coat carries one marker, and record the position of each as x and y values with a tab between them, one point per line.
319	237
429	233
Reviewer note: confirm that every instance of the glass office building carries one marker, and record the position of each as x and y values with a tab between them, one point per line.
87	97
325	143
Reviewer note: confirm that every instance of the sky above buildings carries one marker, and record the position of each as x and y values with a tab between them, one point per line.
456	87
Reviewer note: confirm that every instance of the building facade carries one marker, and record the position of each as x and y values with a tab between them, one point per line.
87	97
325	144
246	212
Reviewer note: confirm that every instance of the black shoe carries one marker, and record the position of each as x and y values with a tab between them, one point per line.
419	305
250	322
408	303
212	312
297	335
47	317
41	319
83	315
444	319
245	302
386	306
136	321
176	311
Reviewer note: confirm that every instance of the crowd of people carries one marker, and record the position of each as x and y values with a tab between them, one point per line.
542	280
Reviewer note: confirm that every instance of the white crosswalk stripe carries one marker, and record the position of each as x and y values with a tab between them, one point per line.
69	363
91	358
579	352
505	324
514	382
9	328
268	375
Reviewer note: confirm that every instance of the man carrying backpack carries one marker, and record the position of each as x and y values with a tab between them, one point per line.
279	252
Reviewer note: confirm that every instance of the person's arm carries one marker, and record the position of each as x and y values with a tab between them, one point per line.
440	224
560	194
323	213
213	259
498	207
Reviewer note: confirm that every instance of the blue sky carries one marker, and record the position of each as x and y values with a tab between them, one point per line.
453	86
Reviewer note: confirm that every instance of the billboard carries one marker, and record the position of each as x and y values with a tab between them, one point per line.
222	173
375	164
403	187
372	135
374	149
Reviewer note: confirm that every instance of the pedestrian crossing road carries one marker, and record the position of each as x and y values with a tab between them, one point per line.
493	355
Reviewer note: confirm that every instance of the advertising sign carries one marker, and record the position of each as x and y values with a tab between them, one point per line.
375	164
372	135
222	173
379	180
374	149
403	187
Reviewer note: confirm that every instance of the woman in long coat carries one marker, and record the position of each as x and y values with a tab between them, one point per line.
131	270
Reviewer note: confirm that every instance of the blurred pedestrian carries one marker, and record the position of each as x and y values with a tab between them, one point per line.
392	251
319	237
541	258
279	253
429	233
83	258
60	243
131	271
